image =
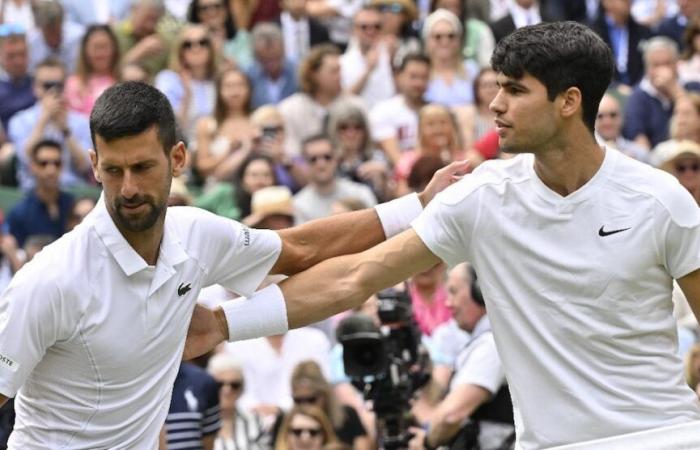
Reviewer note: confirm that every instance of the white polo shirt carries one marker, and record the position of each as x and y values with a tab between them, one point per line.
91	336
578	291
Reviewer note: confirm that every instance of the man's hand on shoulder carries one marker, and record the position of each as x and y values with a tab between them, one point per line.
208	329
444	177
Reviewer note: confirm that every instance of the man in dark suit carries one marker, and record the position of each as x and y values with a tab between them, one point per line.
624	36
520	13
674	27
300	31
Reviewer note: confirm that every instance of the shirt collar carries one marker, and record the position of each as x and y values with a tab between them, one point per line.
170	254
646	86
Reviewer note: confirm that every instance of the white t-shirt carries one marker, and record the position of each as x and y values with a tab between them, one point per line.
393	118
91	336
578	291
380	83
478	364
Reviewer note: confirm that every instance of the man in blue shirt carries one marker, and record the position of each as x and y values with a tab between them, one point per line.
193	419
45	209
49	118
16	91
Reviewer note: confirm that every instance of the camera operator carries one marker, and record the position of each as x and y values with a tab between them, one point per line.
476	413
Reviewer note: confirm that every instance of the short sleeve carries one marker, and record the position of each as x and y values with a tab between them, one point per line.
32	319
482	367
446	225
243	256
681	247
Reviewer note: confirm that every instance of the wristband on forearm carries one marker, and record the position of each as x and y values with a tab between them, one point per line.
262	314
397	215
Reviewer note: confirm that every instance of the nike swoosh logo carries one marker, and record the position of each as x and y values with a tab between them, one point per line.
183	289
604	233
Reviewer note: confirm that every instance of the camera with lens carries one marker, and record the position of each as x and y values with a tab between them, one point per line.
387	363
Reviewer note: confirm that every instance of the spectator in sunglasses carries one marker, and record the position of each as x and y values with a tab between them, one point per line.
232	42
325	185
305	428
50	118
240	429
365	67
310	388
682	159
45	209
189	81
398	33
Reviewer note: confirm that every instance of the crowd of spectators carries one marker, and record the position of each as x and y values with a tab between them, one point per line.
293	110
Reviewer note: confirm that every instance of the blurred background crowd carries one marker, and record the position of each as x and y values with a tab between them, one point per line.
293	110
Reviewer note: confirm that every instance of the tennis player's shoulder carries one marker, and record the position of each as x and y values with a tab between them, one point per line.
490	175
661	186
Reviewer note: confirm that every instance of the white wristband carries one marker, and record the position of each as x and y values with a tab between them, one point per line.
263	314
397	215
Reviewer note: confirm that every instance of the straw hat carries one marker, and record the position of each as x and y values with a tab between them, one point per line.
271	201
407	6
666	153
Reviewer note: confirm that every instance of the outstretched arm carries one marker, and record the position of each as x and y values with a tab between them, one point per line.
307	245
328	288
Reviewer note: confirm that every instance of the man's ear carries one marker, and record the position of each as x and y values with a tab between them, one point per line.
178	159
571	102
93	162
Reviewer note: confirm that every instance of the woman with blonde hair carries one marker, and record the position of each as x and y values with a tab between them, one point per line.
305	427
189	81
452	78
438	136
310	387
97	69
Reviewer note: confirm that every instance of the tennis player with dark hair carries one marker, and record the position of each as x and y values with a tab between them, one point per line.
92	330
576	247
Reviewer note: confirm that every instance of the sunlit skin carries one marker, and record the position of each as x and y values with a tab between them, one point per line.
527	121
100	52
327	78
197	56
234	91
443	41
136	175
413	82
464	309
686	119
322	170
609	121
437	133
258	174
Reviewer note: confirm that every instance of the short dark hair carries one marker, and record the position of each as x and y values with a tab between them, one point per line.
313	138
43	144
413	57
130	108
560	55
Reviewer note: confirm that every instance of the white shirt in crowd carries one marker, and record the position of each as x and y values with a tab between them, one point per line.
578	291
380	83
91	336
296	36
524	16
268	373
394	118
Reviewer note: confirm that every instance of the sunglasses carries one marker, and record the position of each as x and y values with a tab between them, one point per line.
234	385
43	163
210	7
11	29
312	432
314	159
48	85
204	42
447	36
394	8
350	126
611	115
310	400
682	168
369	26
